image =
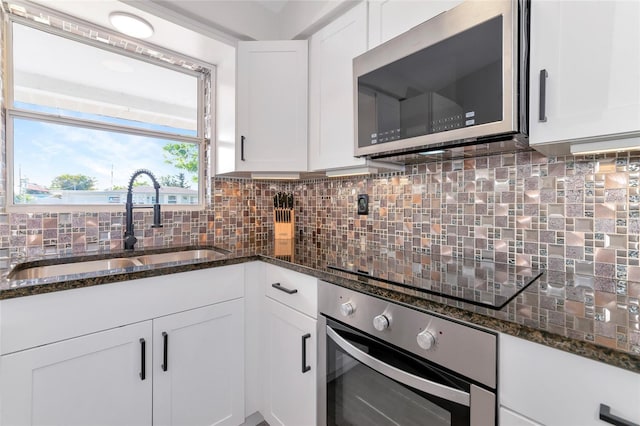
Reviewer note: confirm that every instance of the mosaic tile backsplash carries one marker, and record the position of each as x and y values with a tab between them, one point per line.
568	214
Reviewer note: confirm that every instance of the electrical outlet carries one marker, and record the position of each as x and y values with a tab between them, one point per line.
363	204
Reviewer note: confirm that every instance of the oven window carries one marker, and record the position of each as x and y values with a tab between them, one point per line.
360	395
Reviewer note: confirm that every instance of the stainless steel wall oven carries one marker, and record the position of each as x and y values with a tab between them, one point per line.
382	363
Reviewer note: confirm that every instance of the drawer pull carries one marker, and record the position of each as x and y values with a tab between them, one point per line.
542	113
143	356
277	286
165	351
606	416
305	367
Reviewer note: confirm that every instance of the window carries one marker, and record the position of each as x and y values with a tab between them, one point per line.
83	117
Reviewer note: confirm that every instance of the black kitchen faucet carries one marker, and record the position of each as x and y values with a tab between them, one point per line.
129	237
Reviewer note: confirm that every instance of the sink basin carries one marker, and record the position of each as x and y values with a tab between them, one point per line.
202	255
72	268
104	265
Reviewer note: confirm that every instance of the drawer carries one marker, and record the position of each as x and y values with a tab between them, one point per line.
293	289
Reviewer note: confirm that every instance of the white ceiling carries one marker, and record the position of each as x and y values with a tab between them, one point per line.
248	19
274	6
225	20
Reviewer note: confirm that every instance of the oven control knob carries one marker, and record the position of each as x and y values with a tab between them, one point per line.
426	340
347	308
381	322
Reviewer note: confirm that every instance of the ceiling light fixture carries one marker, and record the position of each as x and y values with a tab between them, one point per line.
131	25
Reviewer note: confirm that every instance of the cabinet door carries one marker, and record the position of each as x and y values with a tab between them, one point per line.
590	51
201	379
272	88
331	109
554	387
390	18
90	380
289	392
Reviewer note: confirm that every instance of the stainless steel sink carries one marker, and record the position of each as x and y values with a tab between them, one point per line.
113	264
61	269
203	255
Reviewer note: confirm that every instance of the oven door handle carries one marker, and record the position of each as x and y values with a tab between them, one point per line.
424	385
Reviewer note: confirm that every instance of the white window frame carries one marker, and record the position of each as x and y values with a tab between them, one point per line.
201	141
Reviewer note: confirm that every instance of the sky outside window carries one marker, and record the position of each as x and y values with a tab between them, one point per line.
44	150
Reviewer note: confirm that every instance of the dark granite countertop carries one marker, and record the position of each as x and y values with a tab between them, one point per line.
593	317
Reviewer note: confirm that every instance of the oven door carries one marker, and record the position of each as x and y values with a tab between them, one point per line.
369	382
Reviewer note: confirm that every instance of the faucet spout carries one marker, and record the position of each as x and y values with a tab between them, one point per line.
129	237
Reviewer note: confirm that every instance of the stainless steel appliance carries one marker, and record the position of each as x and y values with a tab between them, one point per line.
456	80
381	363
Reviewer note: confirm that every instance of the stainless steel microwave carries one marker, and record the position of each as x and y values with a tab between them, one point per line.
456	80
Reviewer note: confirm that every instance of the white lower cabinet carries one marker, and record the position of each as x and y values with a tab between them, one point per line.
198	366
137	353
289	373
289	341
89	380
542	385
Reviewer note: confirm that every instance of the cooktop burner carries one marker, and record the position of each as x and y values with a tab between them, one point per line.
479	282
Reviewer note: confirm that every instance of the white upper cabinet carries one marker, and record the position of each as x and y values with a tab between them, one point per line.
390	18
331	109
271	131
588	53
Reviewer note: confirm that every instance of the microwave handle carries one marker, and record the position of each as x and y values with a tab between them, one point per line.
542	112
426	386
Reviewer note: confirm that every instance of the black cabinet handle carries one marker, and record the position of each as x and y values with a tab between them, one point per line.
143	356
242	148
606	416
165	351
277	286
542	113
305	367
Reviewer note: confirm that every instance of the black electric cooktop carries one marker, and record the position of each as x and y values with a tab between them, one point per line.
479	282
